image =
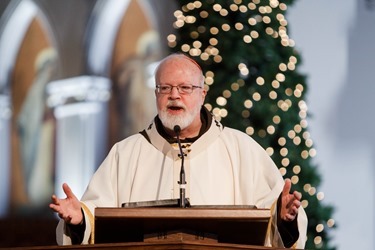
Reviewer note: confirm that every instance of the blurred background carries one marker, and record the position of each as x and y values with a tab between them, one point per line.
76	77
336	40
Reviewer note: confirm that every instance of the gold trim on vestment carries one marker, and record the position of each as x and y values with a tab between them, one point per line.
92	224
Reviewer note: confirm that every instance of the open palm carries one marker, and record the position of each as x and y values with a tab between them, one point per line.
68	209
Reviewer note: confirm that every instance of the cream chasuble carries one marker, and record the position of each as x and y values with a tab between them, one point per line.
223	167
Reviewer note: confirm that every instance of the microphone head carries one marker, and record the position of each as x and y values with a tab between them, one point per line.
177	129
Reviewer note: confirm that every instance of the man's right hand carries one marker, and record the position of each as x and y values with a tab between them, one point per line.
68	209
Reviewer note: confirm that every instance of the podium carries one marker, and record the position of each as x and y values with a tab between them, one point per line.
210	226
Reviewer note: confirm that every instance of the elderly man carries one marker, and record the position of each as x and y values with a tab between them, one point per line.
223	166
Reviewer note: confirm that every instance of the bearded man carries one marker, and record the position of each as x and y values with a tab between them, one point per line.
223	166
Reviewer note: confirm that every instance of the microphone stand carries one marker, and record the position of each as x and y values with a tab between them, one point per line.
182	182
183	202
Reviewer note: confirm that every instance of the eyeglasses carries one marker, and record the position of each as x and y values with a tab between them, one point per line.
182	89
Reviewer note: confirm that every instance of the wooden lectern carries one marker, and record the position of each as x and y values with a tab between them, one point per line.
201	225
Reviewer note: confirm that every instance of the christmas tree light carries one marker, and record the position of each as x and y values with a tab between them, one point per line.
252	78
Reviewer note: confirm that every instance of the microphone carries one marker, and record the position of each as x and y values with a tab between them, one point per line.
182	182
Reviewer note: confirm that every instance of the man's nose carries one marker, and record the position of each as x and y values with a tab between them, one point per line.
174	93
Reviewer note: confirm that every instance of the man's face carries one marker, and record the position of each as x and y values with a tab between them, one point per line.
176	108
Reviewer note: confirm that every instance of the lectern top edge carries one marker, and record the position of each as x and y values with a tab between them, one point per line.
187	213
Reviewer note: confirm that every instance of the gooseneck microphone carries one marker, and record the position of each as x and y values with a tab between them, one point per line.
182	181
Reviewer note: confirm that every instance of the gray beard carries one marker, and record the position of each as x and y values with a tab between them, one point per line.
169	121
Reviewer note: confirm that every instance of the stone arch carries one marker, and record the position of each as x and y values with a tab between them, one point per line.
28	62
112	23
123	45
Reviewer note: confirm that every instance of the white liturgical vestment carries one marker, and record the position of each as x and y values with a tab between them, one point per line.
223	167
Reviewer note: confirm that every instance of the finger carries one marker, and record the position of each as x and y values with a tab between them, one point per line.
297	195
290	202
289	217
68	218
55	200
294	211
287	187
64	217
296	203
68	191
293	205
53	207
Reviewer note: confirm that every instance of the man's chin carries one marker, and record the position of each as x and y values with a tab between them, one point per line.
170	124
171	121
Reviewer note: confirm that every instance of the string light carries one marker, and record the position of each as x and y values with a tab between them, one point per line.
203	14
249	130
208	106
320	196
251	6
297	140
227	93
245	113
217	7
294	179
252	21
270	151
269	31
254	34
235	86
304	203
238	26
257	97
274	3
273	94
330	222
296	169
275	84
318	241
262	133
233	7
276	119
224	12
221	101
225	27
248	104
247	39
283	151
271	129
282	171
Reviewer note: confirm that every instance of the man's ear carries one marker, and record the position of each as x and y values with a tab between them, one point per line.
204	93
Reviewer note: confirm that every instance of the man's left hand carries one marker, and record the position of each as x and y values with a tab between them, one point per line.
290	202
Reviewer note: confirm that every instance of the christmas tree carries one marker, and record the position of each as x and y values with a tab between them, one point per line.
251	70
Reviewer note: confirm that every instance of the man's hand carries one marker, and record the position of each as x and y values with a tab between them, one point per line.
289	202
68	209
